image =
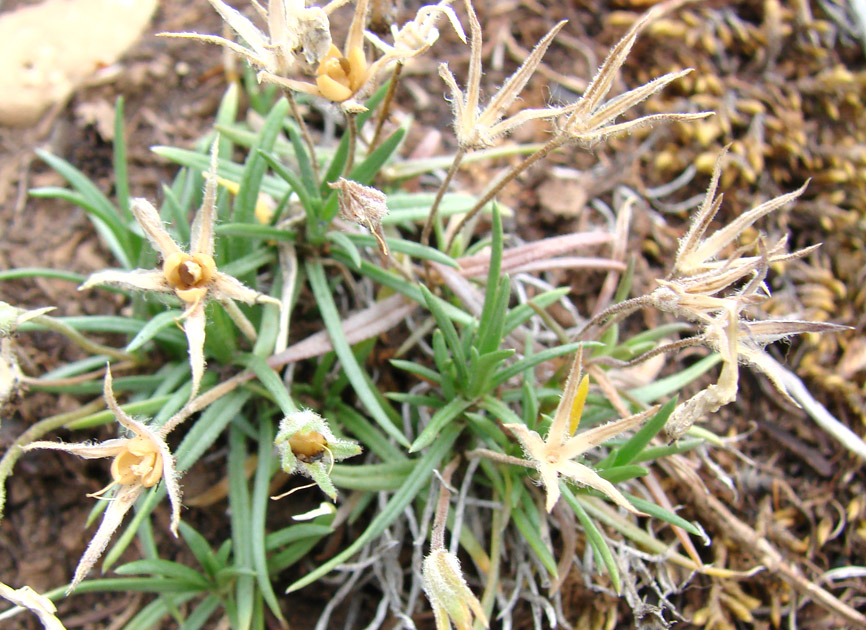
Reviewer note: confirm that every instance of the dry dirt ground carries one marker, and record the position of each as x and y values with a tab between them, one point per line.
788	84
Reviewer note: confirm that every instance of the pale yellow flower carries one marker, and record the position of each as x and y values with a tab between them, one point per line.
139	462
554	455
191	276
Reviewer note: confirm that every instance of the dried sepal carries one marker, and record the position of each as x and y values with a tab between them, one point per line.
553	456
298	37
476	127
191	276
38	604
452	600
417	36
592	119
140	462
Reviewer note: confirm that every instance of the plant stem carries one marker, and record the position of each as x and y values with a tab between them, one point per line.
203	400
353	141
386	106
437	536
434	209
543	152
81	341
305	132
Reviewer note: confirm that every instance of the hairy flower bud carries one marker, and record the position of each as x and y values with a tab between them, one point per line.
448	593
307	445
365	206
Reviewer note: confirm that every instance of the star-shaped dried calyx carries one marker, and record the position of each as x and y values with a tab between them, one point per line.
140	462
191	276
592	119
298	37
418	35
308	446
554	455
343	76
476	127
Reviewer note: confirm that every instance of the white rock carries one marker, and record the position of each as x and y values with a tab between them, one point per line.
49	49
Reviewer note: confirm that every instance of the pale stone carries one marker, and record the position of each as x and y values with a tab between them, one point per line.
49	49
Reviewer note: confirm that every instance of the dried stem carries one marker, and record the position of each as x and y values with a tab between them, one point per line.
542	153
619	310
353	142
81	341
386	106
203	400
305	132
437	536
434	208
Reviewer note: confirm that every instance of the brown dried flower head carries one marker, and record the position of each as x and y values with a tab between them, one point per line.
363	205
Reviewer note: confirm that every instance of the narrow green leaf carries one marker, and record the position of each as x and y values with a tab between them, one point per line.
657	452
260	501
152	615
393	509
241	524
153	327
167	569
274	384
200	548
419	370
440	419
305	164
482	368
121	180
490	339
294	533
368	434
199	616
532	535
41	272
594	536
522	312
415	250
353	371
674	383
104	220
618	474
531	361
256	231
636	443
365	171
450	333
255	166
347	246
657	511
295	182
